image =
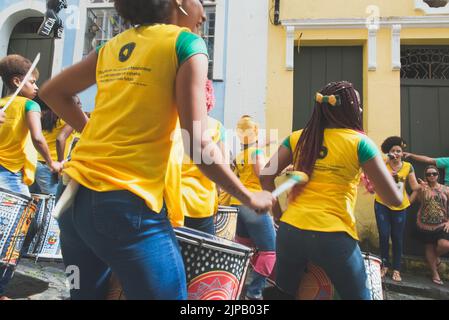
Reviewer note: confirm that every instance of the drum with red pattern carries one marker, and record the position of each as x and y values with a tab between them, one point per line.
216	268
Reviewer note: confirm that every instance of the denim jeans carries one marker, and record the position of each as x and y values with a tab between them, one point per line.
260	229
115	231
336	252
13	181
46	182
390	222
206	225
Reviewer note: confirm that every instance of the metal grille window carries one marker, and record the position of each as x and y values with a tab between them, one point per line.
208	34
102	24
425	63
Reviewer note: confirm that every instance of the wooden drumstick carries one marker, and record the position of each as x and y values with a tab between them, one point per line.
67	198
293	178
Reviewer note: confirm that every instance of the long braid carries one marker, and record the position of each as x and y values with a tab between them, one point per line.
347	116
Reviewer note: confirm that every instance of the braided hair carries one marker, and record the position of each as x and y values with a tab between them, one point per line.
347	115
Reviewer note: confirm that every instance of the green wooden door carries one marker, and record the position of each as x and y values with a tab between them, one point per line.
25	41
317	66
424	125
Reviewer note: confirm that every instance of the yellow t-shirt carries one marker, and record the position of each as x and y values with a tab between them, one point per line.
403	174
126	144
50	137
245	162
327	202
15	135
199	194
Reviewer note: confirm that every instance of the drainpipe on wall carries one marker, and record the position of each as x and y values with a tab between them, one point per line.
277	8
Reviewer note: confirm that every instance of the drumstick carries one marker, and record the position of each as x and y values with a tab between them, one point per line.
293	178
66	200
24	81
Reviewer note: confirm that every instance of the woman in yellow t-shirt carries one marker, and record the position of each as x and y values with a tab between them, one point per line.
254	230
56	133
319	224
391	219
146	76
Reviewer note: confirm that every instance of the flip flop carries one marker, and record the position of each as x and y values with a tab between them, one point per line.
438	282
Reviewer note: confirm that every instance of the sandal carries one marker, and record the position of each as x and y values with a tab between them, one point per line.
396	276
438	282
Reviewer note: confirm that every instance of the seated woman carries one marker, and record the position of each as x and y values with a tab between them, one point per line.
432	219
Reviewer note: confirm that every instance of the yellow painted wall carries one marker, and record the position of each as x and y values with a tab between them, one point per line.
382	102
305	9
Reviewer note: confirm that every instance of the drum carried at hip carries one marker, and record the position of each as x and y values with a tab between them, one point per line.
215	268
46	242
16	214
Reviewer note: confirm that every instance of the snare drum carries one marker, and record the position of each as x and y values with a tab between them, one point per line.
45	243
16	214
216	268
226	222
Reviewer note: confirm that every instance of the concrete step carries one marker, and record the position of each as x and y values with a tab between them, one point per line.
418	286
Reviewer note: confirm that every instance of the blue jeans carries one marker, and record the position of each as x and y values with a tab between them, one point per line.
390	222
46	182
13	181
336	252
116	231
206	225
260	229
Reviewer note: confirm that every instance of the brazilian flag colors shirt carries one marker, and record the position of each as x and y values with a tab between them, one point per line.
14	133
126	144
245	162
327	202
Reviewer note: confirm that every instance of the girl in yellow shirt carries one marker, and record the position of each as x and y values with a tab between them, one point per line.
319	223
391	219
147	76
254	230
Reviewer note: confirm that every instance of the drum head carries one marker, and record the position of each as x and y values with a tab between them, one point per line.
202	238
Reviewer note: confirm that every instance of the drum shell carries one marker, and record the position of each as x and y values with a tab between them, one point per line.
225	221
16	214
46	242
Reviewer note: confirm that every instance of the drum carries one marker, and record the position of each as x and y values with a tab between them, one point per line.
226	222
315	284
45	244
216	268
16	214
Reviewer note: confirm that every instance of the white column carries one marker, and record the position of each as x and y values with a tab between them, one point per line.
396	46
372	47
289	53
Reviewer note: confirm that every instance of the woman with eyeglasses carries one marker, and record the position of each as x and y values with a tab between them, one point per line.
391	219
432	220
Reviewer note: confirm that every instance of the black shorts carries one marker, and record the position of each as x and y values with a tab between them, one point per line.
432	237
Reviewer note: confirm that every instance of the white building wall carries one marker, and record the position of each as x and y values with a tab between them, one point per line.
246	61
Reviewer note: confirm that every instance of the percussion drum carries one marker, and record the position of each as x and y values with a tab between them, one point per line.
16	214
45	244
226	222
216	268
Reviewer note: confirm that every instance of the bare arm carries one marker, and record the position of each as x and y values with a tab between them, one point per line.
415	196
281	160
191	103
383	181
61	141
58	92
34	124
259	165
419	158
413	183
2	117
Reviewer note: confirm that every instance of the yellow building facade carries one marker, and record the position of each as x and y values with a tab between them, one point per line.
381	30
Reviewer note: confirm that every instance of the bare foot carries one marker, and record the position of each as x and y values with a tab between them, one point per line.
396	276
437	281
4	298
